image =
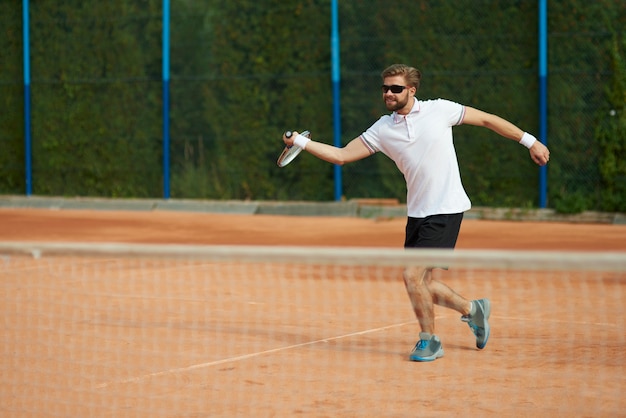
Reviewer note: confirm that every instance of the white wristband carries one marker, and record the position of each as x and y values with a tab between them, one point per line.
301	141
527	140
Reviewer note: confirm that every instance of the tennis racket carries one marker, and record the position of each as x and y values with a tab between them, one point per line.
290	153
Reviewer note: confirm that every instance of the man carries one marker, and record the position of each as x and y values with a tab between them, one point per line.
417	136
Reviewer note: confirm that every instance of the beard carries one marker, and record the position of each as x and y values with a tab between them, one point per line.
397	104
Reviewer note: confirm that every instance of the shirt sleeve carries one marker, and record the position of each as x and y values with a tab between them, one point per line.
455	111
369	146
371	137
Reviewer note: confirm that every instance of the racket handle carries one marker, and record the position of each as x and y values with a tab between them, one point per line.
288	134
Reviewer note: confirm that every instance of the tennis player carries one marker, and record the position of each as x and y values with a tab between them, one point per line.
417	136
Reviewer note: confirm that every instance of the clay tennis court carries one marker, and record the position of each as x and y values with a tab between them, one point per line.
145	338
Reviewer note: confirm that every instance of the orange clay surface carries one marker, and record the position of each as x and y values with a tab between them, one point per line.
215	229
169	342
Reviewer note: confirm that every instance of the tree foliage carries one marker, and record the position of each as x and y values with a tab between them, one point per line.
243	72
611	134
11	100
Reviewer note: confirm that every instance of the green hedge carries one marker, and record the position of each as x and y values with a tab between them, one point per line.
243	72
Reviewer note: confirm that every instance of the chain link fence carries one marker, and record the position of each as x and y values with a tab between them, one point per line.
242	73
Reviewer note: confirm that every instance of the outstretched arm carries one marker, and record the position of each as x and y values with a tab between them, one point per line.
538	152
353	151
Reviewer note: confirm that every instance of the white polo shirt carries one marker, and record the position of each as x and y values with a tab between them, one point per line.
421	145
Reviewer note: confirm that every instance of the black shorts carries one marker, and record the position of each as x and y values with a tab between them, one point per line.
435	231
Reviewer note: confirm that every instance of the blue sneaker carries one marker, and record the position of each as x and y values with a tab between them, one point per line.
478	321
428	348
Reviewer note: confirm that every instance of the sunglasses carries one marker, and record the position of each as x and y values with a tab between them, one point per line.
394	89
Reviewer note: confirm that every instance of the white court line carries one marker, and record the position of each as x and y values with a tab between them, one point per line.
245	356
324	340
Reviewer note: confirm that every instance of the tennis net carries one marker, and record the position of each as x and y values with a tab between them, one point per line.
171	330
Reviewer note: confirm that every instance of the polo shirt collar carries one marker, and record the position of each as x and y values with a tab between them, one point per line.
399	118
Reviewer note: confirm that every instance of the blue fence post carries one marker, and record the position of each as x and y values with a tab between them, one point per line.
543	96
166	99
27	116
334	53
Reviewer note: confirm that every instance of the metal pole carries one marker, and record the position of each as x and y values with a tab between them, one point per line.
334	53
166	99
27	116
543	96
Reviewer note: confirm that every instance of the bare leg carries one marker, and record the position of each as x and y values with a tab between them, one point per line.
424	293
421	299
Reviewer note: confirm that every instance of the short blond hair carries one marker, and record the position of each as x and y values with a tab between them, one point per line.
411	75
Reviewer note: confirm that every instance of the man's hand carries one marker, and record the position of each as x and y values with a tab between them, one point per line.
288	138
539	153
